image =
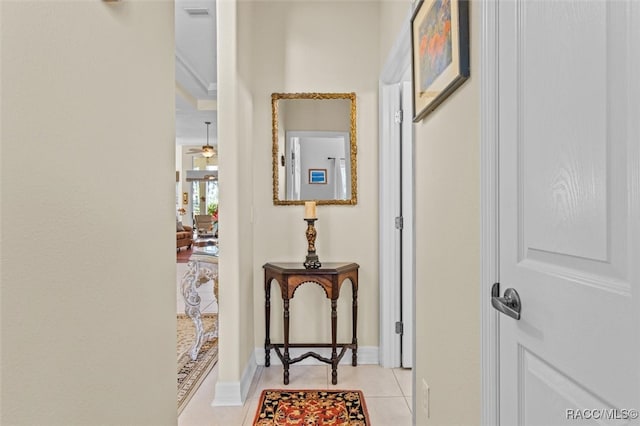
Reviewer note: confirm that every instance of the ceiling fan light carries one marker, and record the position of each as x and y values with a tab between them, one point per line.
207	151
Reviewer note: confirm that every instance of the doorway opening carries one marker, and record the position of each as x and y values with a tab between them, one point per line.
196	145
397	224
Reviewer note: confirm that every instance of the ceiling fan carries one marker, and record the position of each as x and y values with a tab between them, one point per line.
207	150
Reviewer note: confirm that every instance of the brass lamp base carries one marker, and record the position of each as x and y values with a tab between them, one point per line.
311	261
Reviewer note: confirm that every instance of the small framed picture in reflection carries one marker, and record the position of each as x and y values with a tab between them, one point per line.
317	176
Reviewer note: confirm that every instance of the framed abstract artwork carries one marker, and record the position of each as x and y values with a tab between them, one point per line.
440	52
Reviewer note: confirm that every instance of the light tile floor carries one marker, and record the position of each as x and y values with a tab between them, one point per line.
387	392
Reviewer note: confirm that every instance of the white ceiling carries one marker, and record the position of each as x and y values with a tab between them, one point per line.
196	79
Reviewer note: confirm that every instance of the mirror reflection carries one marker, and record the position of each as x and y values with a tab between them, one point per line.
314	148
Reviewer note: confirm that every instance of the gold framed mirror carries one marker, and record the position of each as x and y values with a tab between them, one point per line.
314	148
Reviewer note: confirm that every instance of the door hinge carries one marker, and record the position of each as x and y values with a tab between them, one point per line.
398	117
399	327
399	222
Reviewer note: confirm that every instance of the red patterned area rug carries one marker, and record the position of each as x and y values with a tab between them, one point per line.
311	407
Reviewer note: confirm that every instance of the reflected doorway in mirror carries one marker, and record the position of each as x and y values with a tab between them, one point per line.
316	168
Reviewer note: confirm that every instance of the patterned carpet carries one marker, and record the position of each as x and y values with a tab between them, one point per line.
311	407
192	373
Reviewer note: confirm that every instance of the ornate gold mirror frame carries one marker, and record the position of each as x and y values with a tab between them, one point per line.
277	145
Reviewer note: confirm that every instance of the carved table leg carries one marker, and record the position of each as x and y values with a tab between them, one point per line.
334	353
190	283
286	342
267	321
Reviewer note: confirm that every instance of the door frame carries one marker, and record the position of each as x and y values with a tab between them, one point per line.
408	235
389	245
489	218
394	72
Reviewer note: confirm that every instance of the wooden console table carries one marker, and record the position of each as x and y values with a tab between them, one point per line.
330	277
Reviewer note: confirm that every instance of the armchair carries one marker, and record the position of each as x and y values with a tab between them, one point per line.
184	235
203	225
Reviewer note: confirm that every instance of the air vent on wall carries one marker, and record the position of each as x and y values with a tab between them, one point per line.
197	11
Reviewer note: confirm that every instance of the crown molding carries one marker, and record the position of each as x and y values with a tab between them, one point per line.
182	62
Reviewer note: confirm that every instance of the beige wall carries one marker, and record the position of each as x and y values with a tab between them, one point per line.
393	14
311	115
246	214
316	47
236	180
447	252
88	262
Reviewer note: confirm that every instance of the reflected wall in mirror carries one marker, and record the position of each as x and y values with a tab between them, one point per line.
314	148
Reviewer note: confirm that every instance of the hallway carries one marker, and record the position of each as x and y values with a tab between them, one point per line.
387	391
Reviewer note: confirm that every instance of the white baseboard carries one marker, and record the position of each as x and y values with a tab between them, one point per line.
366	355
227	394
247	376
235	393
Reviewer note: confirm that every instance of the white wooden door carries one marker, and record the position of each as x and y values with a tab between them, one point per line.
569	215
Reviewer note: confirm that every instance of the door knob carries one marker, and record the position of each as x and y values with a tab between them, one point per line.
509	304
